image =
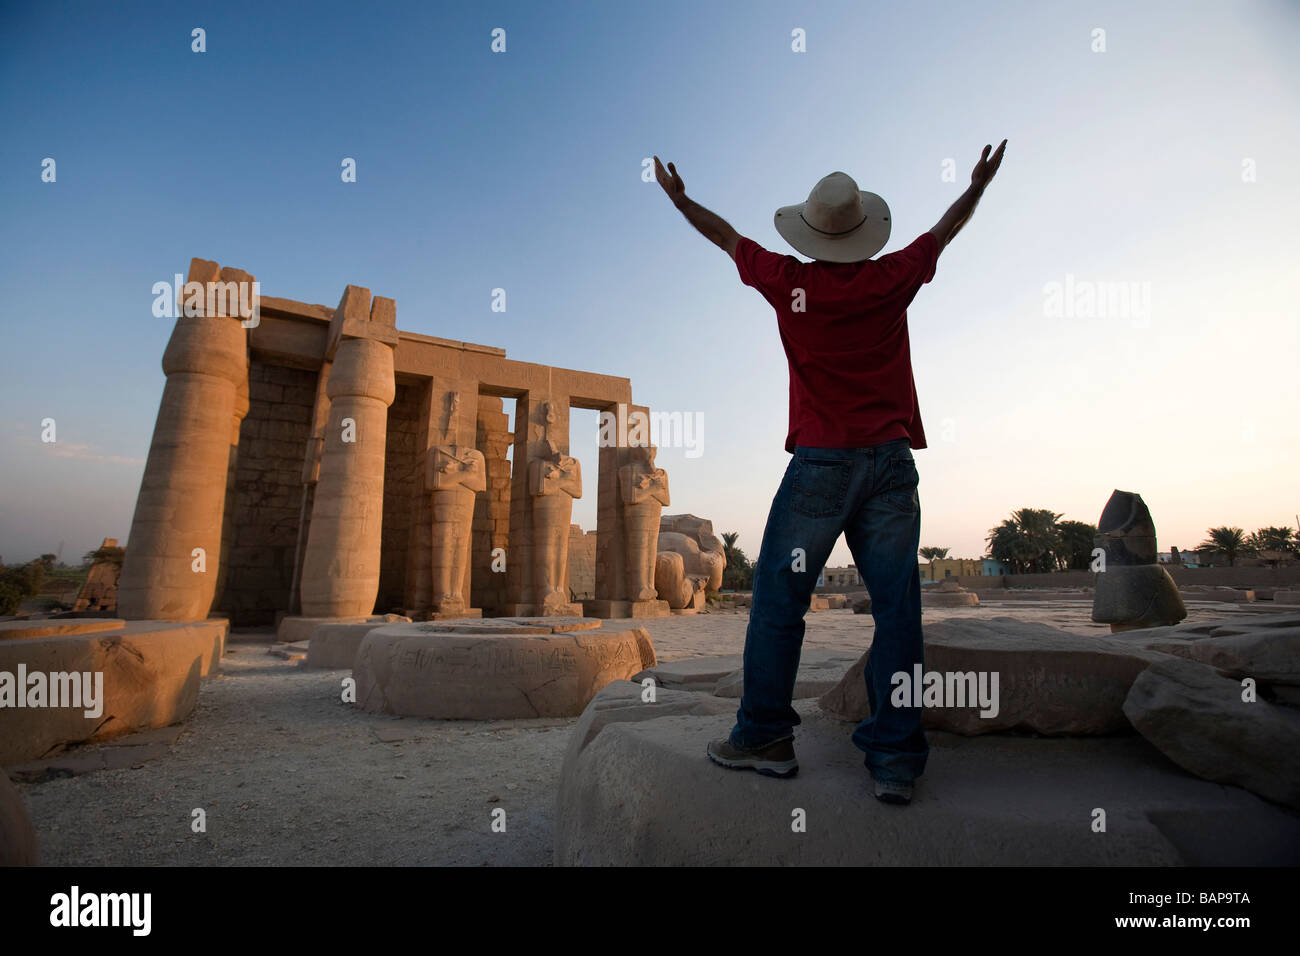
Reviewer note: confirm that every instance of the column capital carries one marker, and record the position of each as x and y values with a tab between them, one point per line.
358	317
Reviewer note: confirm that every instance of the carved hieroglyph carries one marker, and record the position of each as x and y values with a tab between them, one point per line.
644	489
455	474
554	480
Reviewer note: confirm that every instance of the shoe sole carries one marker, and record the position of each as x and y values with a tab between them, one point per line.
894	799
782	770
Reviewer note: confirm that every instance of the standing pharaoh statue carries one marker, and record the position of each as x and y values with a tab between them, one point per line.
644	490
554	480
455	474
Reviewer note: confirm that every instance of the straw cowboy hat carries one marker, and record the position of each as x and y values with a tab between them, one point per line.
838	223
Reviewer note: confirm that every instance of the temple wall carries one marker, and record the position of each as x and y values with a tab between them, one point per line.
582	563
492	508
403	480
266	496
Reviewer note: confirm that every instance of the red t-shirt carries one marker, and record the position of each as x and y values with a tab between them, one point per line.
851	382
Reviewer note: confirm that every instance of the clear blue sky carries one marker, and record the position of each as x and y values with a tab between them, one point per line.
522	170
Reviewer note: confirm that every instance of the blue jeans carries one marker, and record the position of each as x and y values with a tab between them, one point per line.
869	495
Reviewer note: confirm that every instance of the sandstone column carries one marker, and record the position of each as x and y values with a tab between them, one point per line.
340	576
230	519
183	492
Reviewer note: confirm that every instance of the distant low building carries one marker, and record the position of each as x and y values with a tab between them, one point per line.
941	568
839	578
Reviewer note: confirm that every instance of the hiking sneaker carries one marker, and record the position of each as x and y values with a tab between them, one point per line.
774	760
893	791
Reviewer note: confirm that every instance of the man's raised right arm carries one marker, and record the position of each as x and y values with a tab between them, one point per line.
946	229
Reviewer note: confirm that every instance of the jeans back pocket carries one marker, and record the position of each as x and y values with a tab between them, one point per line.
820	486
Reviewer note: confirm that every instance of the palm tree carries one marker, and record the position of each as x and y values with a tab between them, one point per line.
1231	541
1027	542
1004	545
739	573
930	554
1077	542
1271	539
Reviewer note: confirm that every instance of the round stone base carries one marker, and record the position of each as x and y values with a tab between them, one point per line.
494	669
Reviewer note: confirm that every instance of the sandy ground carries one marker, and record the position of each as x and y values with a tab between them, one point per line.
287	774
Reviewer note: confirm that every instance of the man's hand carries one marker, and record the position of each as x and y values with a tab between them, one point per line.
712	226
987	167
947	228
670	181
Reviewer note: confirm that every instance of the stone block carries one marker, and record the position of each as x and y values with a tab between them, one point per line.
1198	719
420	670
150	672
820	672
636	789
1048	681
293	629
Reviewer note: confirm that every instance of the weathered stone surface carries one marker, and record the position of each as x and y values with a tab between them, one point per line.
983	801
820	671
1195	630
151	672
1132	590
1286	597
1125	531
58	627
1199	592
671	583
417	670
17	836
948	593
1270	655
1049	681
1139	596
862	605
341	560
99	590
1035	594
1198	719
818	603
182	496
289	652
121	753
604	609
292	630
334	646
696	673
701	560
622	701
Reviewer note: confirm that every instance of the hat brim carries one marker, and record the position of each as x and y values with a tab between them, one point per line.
861	243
